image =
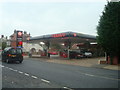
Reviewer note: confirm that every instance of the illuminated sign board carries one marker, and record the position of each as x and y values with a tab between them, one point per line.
74	34
19	34
19	39
59	35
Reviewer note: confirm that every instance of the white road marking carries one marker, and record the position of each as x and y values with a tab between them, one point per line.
99	76
10	68
108	78
2	66
27	74
12	82
89	75
20	72
15	70
67	88
34	77
45	80
6	67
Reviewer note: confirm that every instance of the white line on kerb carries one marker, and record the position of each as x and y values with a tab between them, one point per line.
26	74
34	77
45	80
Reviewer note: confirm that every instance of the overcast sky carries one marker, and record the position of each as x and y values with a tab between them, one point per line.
40	18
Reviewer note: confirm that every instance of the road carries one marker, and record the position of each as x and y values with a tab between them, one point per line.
34	73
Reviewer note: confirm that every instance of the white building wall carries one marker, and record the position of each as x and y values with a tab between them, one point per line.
28	46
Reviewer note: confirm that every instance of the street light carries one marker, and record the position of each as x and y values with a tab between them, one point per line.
63	44
93	43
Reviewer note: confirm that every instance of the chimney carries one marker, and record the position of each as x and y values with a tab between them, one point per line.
25	32
2	36
6	37
29	34
15	31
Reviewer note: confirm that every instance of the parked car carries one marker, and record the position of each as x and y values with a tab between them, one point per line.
63	54
53	53
74	54
88	54
10	54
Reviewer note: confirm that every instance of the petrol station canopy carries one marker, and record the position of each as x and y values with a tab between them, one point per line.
72	37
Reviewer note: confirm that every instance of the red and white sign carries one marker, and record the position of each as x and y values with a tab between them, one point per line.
19	33
59	35
74	34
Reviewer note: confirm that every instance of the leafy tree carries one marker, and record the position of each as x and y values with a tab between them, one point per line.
108	29
4	45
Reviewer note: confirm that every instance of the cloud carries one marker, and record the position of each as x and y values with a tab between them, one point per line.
52	0
48	18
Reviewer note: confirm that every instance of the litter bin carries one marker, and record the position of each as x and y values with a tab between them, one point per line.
48	54
30	55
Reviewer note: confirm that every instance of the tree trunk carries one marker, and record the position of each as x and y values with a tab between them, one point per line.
111	60
106	56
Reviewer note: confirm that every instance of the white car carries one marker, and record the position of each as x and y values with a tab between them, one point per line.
88	54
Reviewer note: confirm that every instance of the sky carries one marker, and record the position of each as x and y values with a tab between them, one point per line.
50	17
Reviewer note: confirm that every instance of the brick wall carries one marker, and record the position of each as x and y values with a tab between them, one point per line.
115	61
13	44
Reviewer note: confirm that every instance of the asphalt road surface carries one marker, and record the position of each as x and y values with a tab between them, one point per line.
40	74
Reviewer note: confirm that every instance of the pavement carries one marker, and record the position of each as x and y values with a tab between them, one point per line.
85	62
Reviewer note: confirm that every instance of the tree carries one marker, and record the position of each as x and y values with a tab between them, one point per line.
4	45
108	30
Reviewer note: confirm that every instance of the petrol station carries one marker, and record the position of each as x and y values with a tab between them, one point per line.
67	39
